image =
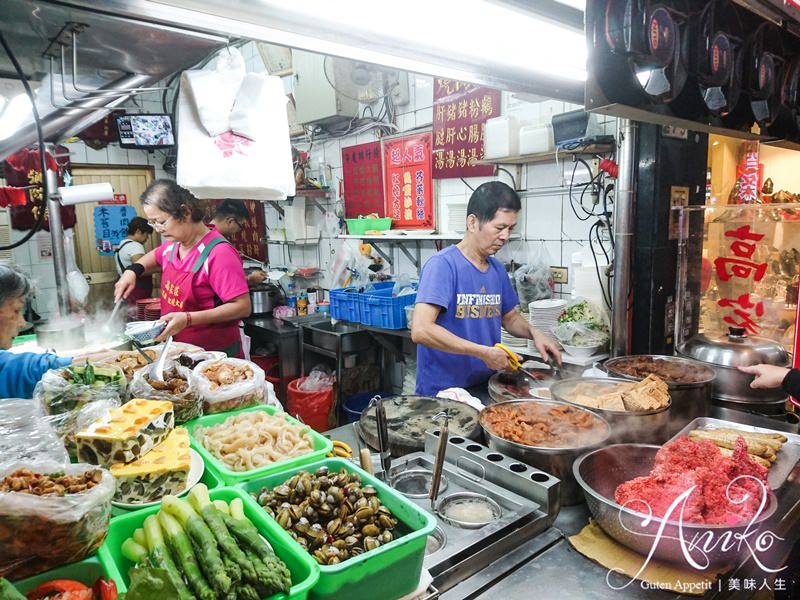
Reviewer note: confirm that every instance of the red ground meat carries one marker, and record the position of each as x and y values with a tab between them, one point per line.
684	463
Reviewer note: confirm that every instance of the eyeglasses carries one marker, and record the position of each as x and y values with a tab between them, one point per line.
159	226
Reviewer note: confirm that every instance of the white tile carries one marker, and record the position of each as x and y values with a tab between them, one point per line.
543	217
137	157
544	175
77	152
424	116
423	91
117	155
406	121
96	157
333	154
554	251
572	227
22	257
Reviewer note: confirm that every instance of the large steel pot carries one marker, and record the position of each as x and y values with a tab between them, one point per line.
646	426
598	474
555	461
61	334
265	298
724	353
691	383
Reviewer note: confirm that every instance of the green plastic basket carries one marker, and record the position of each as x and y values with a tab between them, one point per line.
360	226
322	446
212	482
304	569
85	571
389	571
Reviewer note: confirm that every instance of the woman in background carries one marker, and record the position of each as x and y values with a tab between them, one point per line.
129	251
204	292
19	373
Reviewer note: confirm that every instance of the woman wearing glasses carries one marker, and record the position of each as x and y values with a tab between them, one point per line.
204	292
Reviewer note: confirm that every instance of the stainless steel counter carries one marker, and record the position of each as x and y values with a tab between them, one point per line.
547	567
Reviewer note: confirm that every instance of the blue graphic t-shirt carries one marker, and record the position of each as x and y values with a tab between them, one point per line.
474	303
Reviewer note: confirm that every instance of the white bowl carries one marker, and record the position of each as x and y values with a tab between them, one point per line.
582	351
144	332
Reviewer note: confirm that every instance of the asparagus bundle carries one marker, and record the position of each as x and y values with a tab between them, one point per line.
208	549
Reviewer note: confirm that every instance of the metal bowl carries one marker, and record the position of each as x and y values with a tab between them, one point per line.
144	332
555	461
448	501
646	426
416	483
598	474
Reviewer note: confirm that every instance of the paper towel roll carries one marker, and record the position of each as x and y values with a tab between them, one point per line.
90	192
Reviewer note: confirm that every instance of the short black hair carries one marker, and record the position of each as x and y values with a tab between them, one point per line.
176	201
490	197
231	207
139	224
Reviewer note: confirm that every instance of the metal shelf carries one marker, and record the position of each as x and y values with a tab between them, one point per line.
413	237
546	156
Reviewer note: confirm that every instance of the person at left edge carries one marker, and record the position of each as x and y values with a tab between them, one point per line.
230	218
129	251
19	373
204	293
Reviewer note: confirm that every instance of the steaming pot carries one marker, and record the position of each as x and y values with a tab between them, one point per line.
64	334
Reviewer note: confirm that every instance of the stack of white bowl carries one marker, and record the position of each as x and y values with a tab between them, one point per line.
544	316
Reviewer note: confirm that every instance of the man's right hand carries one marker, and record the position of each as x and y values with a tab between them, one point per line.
125	285
495	358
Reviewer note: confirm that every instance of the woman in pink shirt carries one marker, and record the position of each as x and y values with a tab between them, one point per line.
204	292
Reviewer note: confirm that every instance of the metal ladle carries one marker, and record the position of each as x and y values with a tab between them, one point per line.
438	465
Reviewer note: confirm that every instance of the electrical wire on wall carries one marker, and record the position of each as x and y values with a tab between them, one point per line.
42	155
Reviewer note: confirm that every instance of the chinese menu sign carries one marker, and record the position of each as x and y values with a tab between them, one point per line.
737	264
23	169
409	188
460	112
749	174
111	226
363	180
250	239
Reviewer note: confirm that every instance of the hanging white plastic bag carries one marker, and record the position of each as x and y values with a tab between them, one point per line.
77	285
214	91
227	164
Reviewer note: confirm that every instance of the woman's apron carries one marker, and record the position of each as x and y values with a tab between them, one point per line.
177	295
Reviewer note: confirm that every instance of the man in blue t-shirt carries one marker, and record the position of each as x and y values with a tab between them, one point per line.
464	297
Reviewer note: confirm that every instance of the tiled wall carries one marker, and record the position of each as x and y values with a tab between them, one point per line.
546	218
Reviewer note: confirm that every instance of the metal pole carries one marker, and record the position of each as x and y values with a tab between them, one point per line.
623	235
57	236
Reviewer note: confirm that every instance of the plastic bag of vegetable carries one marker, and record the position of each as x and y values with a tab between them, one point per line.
583	323
25	435
51	514
229	384
70	388
534	281
179	387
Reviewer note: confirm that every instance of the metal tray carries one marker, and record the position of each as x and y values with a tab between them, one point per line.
786	459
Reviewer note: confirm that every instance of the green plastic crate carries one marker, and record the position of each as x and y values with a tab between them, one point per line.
322	446
389	571
304	569
360	226
212	482
85	571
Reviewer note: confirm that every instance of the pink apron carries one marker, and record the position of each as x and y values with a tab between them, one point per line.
177	295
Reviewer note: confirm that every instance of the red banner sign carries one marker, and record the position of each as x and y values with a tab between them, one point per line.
460	112
118	199
363	180
409	187
250	239
23	169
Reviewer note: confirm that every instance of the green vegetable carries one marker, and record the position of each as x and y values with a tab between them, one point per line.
138	537
160	557
148	583
134	551
203	541
8	591
199	499
182	552
245	591
88	374
248	536
222	507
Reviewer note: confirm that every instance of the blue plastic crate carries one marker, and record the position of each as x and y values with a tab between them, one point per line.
385	311
364	298
345	305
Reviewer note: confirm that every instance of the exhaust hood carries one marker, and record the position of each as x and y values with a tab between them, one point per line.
114	54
